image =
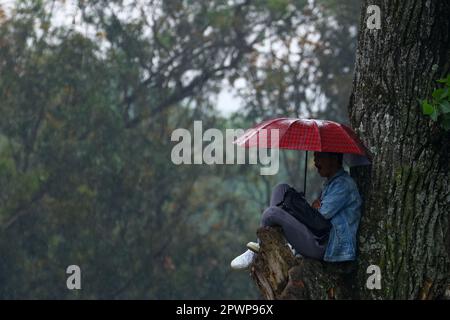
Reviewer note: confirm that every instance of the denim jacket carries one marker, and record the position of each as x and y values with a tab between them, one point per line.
341	202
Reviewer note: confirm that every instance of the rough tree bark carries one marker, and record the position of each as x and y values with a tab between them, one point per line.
405	224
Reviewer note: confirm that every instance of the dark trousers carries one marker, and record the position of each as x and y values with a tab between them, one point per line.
295	232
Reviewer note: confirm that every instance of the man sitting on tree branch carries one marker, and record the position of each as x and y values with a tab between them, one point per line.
327	229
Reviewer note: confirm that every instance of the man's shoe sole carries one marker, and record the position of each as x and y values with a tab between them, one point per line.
253	246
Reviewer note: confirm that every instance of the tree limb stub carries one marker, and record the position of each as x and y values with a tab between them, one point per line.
280	275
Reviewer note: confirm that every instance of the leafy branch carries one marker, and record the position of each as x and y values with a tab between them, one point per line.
438	108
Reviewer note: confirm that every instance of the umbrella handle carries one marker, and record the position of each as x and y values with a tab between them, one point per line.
304	178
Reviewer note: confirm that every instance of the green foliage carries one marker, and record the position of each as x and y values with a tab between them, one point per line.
87	115
438	108
278	5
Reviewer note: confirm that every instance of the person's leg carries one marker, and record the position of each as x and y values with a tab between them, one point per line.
277	196
244	260
295	232
278	193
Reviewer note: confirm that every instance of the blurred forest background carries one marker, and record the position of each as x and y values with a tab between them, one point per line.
90	92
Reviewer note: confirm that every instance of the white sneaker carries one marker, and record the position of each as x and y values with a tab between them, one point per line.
243	261
291	247
293	251
254	246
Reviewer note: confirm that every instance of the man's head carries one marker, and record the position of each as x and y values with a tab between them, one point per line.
327	163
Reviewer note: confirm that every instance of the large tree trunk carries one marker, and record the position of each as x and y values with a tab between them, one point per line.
405	224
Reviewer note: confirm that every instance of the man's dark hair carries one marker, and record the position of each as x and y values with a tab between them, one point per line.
339	157
336	155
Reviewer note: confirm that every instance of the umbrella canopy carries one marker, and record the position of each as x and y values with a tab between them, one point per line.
308	135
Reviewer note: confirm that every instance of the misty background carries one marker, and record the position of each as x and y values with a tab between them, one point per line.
90	92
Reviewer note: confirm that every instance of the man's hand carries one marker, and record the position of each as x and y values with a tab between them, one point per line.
316	204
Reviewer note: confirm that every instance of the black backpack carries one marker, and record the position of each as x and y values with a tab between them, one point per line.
294	203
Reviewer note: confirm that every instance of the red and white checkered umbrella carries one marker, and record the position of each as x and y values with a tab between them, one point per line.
308	135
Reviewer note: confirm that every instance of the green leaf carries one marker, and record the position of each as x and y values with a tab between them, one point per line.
222	19
445	123
437	94
434	115
426	107
443	93
445	80
277	5
444	106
